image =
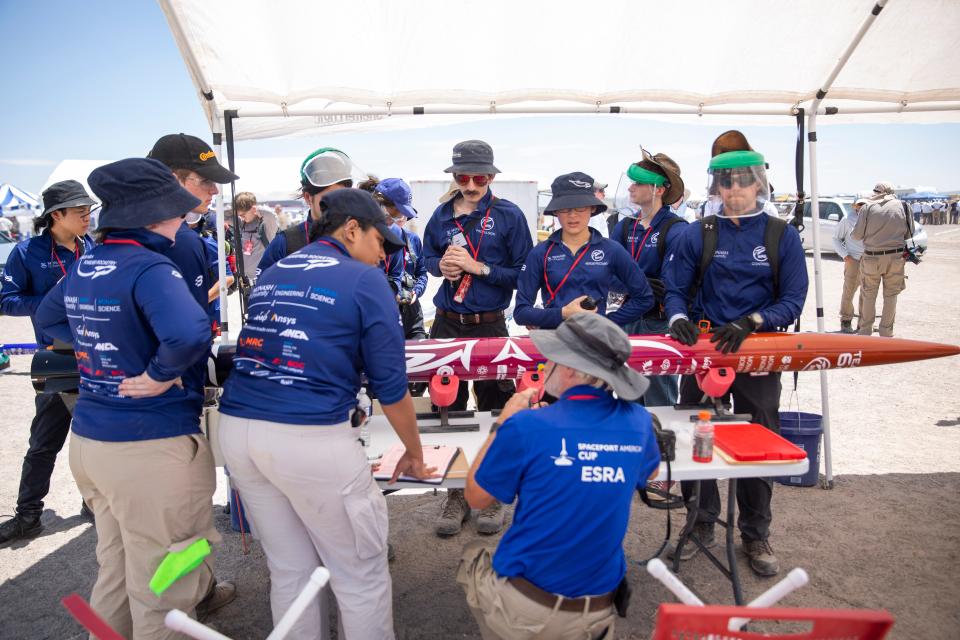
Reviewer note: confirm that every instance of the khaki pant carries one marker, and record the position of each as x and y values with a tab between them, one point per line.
503	612
873	269
146	496
851	280
310	497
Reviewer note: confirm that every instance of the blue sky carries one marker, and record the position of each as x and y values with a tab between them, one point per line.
104	79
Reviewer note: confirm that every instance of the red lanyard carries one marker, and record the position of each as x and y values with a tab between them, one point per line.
483	229
53	252
633	238
330	244
583	397
389	261
121	241
553	292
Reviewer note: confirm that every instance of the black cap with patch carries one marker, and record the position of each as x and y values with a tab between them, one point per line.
182	151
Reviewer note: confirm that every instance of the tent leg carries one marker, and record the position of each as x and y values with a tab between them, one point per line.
818	284
228	117
221	248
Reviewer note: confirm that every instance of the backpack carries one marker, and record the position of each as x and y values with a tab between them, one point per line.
771	242
296	236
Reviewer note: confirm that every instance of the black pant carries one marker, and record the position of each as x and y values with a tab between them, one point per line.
491	394
412	317
48	432
760	397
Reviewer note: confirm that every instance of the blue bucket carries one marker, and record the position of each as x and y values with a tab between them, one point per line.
803	430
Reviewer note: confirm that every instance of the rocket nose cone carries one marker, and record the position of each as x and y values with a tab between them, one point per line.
901	350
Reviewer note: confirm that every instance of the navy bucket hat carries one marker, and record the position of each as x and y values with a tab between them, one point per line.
359	204
65	194
137	192
573	190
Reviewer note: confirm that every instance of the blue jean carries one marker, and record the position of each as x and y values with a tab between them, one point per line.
663	390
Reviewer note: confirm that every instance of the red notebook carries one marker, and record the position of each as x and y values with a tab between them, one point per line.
754	442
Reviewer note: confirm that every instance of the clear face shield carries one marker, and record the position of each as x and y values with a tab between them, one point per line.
739	180
328	166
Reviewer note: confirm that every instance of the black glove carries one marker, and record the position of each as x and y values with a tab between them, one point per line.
659	289
684	332
730	336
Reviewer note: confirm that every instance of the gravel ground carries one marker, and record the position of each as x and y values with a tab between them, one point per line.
886	536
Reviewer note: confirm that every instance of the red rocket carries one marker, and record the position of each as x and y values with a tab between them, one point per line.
510	358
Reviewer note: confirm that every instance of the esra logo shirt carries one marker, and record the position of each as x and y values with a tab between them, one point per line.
573	468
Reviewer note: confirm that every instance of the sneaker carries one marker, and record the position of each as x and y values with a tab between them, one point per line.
220	595
846	326
660	490
704	532
490	520
455	512
85	512
762	560
20	527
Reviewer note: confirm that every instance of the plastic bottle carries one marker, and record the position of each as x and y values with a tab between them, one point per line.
364	406
703	438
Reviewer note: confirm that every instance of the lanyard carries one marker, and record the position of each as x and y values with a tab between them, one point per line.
53	252
121	241
585	396
330	244
553	292
633	238
483	229
388	263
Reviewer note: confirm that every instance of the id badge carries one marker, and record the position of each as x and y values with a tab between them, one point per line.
248	247
459	240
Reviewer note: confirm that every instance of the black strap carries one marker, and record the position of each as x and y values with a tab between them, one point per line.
710	236
296	238
262	234
771	241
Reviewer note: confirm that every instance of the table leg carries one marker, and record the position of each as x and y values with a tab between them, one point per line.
731	554
693	509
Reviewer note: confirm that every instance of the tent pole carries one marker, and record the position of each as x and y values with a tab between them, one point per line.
228	117
221	243
815	221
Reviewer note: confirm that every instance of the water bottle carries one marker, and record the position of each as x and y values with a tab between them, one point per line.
703	438
364	406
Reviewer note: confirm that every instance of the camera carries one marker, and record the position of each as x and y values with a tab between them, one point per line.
912	254
407	283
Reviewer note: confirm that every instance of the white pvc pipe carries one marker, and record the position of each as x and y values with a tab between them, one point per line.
221	241
318	580
177	620
793	581
658	570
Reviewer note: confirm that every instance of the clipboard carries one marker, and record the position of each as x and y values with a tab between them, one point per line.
439	456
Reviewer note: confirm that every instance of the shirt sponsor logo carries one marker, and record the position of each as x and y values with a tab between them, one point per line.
105	346
253	343
312	262
199	281
97	271
176	274
296	334
283	320
83	331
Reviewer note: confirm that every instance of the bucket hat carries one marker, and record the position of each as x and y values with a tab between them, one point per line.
179	150
63	194
572	190
398	192
359	204
137	192
474	157
663	165
594	345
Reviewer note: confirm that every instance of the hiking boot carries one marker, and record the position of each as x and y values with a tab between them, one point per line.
490	520
661	490
762	560
19	527
220	595
703	531
85	512
455	512
846	326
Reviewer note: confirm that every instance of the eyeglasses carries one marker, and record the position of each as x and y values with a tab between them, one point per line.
580	210
743	179
480	181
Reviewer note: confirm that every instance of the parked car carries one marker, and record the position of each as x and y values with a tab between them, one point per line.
832	210
6	248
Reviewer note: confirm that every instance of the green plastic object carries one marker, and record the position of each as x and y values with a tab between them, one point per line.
736	159
644	176
4	361
178	564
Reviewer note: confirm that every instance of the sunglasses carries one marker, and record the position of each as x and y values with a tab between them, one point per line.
726	179
480	181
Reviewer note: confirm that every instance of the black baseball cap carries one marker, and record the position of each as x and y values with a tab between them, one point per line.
359	204
179	150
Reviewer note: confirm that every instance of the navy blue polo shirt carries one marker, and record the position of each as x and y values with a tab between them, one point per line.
739	280
318	318
573	468
644	243
413	261
598	264
33	268
503	242
127	310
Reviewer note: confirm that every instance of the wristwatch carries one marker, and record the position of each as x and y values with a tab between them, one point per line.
484	270
756	319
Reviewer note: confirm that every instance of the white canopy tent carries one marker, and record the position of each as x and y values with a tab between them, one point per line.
15	201
369	64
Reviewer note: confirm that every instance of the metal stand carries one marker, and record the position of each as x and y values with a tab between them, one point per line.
444	426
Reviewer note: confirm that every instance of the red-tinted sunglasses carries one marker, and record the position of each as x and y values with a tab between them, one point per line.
480	181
